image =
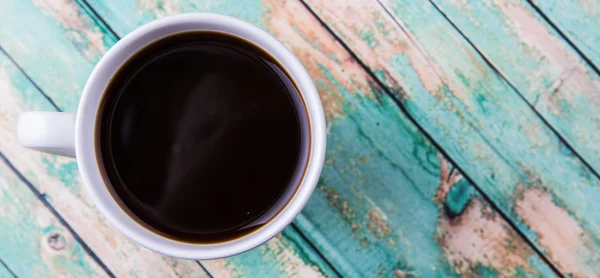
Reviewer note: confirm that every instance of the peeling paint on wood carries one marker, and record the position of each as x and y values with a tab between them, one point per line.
534	58
558	235
62	49
34	242
474	236
89	41
578	20
388	204
479	238
470	111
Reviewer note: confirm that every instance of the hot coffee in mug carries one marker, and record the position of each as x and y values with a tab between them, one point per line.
203	136
198	136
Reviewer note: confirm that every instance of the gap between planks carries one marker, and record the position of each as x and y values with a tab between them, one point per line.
563	36
7	268
47	97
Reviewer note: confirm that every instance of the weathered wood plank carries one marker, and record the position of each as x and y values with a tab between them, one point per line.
34	242
375	211
480	122
579	21
58	178
541	65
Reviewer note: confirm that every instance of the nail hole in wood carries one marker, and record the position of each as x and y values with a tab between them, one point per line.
56	241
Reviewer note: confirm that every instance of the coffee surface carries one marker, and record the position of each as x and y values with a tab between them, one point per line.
200	137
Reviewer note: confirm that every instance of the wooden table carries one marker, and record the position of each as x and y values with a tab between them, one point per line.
463	139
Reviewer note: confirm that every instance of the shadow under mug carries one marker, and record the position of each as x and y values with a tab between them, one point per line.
73	134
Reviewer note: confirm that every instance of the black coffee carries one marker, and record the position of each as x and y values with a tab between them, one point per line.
201	137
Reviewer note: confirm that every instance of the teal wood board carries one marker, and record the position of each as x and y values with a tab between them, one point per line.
462	139
578	21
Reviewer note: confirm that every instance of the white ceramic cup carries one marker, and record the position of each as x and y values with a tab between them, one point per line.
73	134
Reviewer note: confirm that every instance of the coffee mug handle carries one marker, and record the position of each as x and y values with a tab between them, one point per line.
51	132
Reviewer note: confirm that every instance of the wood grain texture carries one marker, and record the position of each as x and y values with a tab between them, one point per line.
480	122
66	54
34	242
541	65
386	204
57	178
579	21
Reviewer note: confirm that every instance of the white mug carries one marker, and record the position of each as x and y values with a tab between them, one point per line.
73	134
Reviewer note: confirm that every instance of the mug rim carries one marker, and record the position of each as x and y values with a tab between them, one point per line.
89	109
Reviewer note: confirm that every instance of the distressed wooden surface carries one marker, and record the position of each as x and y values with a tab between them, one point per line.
34	242
389	202
480	121
579	20
542	67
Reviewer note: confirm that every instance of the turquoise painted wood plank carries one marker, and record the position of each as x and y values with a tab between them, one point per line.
34	242
375	212
58	46
579	21
58	177
542	66
5	272
480	122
